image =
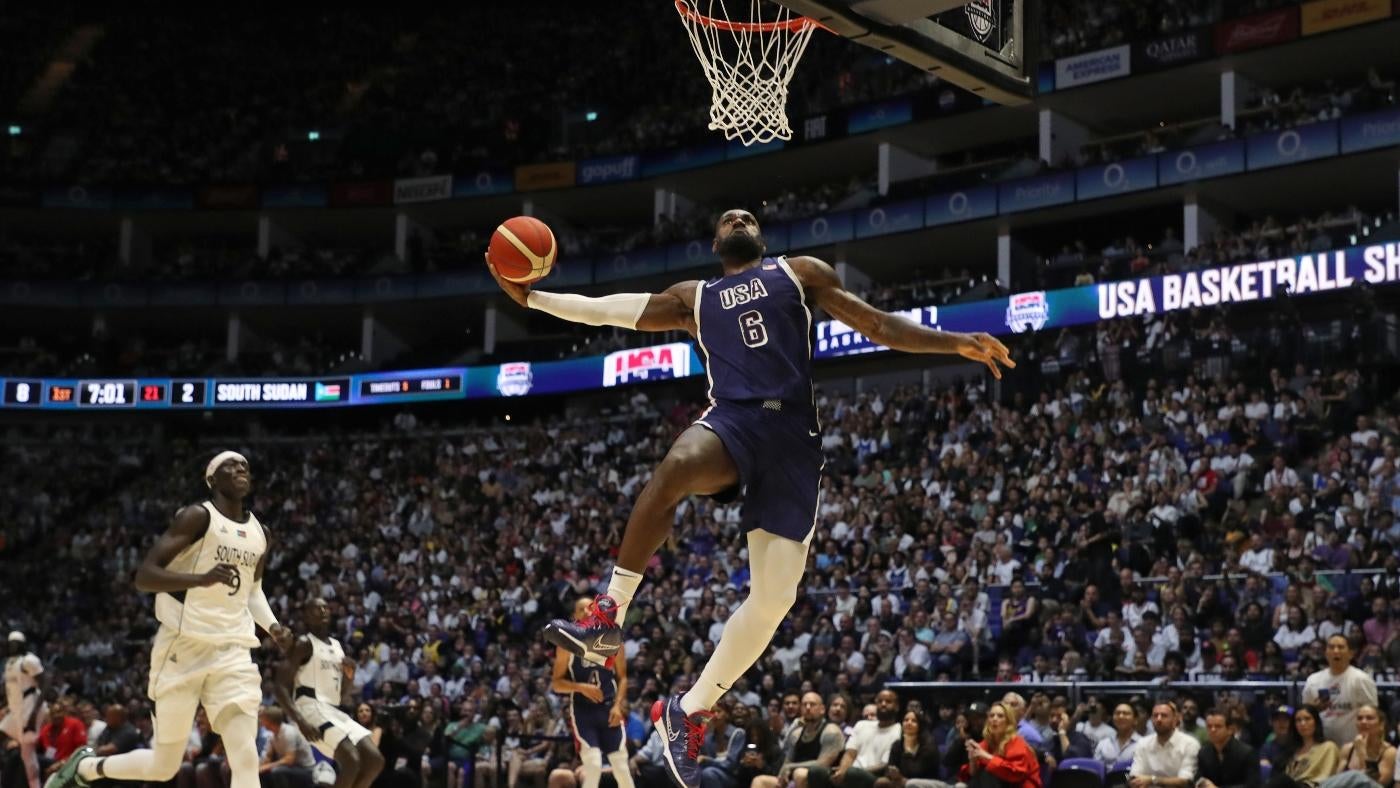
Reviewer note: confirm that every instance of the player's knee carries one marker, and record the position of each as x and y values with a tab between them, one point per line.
592	756
347	756
678	468
773	606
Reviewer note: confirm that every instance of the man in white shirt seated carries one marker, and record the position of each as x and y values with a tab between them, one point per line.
1259	558
1142	641
867	752
1167	759
1280	476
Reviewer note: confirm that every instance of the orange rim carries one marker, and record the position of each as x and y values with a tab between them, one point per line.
793	25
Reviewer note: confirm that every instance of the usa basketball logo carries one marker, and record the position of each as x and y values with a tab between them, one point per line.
981	19
658	362
1027	311
515	379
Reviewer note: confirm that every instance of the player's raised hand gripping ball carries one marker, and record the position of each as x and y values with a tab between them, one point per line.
522	250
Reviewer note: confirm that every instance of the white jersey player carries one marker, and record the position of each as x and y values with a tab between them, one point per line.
311	684
25	712
206	572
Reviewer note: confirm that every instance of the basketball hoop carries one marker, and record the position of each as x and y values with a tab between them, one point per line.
748	63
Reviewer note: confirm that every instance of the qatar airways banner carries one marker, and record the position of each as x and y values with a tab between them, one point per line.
1377	265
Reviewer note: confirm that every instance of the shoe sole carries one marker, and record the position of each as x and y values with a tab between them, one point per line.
558	637
659	717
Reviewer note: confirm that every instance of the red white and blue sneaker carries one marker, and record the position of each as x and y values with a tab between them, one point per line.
597	638
682	736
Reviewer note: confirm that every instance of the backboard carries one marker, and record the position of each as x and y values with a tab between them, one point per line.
979	45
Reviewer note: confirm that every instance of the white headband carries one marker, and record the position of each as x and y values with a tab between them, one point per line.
219	460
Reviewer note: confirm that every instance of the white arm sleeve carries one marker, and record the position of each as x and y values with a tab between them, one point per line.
621	309
261	610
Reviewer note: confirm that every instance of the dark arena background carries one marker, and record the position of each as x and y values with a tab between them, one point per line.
228	229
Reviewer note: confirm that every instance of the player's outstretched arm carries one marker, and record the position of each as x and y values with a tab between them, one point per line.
187	528
670	310
889	330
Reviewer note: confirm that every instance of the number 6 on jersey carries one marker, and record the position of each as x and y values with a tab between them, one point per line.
752	329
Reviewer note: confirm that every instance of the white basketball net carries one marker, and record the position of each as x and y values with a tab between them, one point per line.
748	62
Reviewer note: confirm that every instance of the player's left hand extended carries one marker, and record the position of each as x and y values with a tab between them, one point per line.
281	637
519	293
987	349
615	717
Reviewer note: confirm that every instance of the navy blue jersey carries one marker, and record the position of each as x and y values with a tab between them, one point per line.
597	675
755	330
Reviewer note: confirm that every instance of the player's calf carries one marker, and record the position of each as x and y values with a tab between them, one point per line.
371	763
347	765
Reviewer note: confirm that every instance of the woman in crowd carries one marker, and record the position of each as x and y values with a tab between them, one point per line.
1313	759
1002	759
1369	754
914	756
364	714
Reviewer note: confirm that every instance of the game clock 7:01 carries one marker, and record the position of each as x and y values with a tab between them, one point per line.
107	393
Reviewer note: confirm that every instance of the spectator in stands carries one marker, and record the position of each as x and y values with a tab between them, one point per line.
61	736
1026	728
723	747
462	738
203	756
1065	741
812	740
87	712
1369	753
287	758
1295	632
1314	759
966	727
1019	614
1123	744
914	759
120	735
530	760
1279	743
867	750
1168	757
1002	758
952	646
364	714
1094	721
1225	761
1338	691
648	765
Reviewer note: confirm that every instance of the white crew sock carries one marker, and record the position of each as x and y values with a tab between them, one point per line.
622	587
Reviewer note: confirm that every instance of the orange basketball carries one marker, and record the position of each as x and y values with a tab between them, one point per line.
522	249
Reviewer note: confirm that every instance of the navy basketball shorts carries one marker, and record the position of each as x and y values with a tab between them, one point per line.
777	448
590	723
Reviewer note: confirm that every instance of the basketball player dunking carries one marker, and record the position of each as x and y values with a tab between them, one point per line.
760	433
311	683
206	572
597	709
26	711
